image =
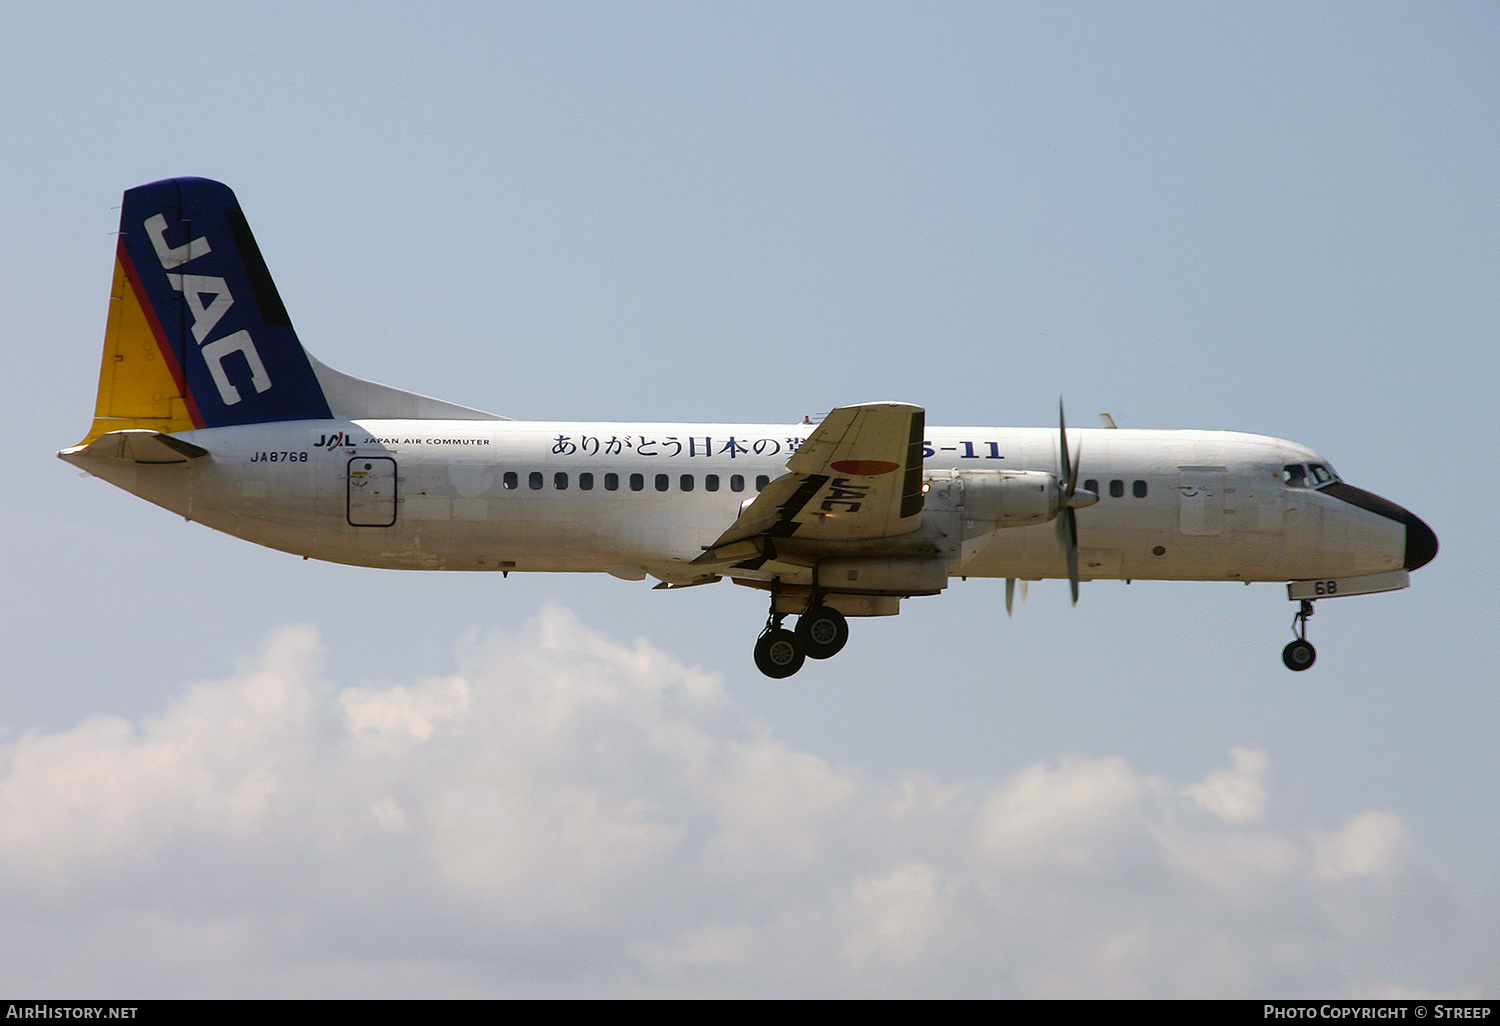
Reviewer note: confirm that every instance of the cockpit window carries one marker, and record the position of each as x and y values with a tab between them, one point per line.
1313	475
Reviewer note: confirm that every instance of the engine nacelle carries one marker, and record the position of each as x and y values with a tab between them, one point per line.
1008	498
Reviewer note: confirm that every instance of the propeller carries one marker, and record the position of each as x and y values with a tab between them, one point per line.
1070	500
1010	592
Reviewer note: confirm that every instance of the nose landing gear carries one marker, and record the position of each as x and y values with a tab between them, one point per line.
1299	654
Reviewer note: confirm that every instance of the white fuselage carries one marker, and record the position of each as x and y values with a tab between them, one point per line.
209	405
633	499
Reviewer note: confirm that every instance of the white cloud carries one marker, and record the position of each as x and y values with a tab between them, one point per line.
567	815
1370	844
1235	795
1077	817
403	713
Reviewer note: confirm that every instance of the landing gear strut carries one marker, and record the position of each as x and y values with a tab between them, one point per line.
821	632
1299	654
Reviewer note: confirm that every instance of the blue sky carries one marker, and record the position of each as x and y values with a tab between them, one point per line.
1268	218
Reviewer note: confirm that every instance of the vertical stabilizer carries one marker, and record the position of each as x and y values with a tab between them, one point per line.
197	334
198	337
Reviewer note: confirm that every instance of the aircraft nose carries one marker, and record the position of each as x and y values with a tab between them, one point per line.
1421	543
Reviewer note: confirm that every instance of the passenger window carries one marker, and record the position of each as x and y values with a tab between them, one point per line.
663	482
761	481
535	480
612	482
510	480
1091	485
1116	488
586	482
736	482
1138	489
637	482
687	482
711	482
560	482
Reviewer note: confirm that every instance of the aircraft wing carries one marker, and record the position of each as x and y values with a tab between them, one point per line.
857	477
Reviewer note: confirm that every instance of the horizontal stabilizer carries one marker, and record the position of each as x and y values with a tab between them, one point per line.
138	446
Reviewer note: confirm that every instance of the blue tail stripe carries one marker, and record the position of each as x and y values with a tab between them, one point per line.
217	305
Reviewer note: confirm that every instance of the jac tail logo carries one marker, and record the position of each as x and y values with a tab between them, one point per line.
194	287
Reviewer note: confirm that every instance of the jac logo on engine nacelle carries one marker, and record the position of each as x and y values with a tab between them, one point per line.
194	287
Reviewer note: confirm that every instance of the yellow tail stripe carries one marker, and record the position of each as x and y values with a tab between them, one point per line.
137	384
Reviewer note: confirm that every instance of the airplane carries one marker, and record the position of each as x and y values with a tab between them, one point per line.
209	406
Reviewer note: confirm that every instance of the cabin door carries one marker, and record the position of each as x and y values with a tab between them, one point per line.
372	491
1200	493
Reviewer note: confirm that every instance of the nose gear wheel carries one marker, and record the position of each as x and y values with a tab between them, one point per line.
1299	655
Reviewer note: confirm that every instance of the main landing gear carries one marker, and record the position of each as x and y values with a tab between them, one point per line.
821	632
1299	654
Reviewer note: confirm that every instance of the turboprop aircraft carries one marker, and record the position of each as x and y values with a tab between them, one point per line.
209	406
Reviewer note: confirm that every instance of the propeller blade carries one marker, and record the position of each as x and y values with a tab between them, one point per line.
1062	445
1010	594
1067	540
1070	461
1072	519
1067	520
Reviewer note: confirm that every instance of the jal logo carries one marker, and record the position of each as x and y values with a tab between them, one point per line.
334	441
209	299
